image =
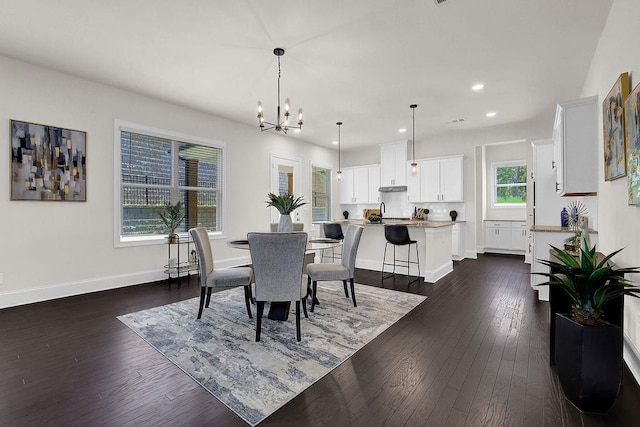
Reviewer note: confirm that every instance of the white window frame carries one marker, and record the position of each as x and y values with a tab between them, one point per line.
494	187
330	196
121	125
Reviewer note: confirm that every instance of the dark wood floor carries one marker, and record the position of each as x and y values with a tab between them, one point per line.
474	353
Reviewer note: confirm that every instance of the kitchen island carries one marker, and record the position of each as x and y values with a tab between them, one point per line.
434	247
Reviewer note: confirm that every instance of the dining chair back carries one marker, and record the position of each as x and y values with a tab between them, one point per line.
210	278
344	271
278	261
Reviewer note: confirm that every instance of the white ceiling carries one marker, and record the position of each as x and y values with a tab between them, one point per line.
362	62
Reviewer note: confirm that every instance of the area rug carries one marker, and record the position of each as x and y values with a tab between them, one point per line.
254	379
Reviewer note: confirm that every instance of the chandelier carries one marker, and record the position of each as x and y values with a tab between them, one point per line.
282	120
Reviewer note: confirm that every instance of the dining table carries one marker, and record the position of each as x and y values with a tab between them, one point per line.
279	310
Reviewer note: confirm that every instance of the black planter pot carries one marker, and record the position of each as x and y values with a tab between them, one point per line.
589	363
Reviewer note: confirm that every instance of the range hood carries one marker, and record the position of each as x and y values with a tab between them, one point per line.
393	189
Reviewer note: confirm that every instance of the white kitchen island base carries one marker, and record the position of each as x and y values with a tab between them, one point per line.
434	249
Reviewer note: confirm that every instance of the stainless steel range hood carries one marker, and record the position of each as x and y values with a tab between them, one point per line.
393	189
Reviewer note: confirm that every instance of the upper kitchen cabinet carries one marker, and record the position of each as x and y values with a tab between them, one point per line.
575	145
393	159
441	179
357	185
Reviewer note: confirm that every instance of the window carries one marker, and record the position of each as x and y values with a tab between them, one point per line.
158	167
511	183
320	193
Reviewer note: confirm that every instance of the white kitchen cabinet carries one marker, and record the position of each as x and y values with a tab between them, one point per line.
575	147
457	241
497	235
505	236
355	185
519	236
441	179
393	159
374	183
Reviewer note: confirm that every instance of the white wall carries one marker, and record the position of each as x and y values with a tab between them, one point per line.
54	249
618	223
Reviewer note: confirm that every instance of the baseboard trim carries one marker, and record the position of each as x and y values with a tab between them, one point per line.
62	290
471	254
429	276
631	357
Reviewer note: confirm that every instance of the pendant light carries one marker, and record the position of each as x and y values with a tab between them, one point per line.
414	165
339	169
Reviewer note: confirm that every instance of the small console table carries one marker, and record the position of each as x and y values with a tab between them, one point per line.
181	267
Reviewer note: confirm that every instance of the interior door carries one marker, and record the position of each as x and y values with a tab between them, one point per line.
285	178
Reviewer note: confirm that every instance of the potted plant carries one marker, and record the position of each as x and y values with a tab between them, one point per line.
588	350
172	216
285	204
453	214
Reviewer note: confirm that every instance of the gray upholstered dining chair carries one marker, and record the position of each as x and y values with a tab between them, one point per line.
344	271
210	278
278	261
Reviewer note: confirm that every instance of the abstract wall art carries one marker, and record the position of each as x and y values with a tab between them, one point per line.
48	163
632	137
615	163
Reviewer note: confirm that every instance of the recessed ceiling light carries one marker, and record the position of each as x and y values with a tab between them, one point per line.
402	130
478	86
334	142
491	114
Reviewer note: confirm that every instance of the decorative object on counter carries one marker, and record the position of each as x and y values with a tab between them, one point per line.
615	161
453	214
339	173
588	350
575	211
172	216
281	124
285	204
375	218
422	213
48	163
632	139
367	212
345	214
564	222
414	164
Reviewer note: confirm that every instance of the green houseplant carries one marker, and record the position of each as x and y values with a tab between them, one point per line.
588	349
172	216
285	204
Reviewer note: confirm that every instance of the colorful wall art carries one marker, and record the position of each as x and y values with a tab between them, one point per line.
632	136
615	163
48	163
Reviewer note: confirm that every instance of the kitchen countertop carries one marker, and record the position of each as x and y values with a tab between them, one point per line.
407	222
557	229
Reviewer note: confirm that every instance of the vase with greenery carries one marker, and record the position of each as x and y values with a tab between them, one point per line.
285	204
172	216
588	349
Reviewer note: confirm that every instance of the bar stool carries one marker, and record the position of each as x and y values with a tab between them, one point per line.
333	230
398	235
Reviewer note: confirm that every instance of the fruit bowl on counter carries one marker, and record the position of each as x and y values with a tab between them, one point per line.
374	218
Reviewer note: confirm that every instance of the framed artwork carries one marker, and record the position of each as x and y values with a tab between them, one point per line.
632	139
48	163
615	162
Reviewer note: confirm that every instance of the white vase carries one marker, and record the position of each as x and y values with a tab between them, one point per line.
285	224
